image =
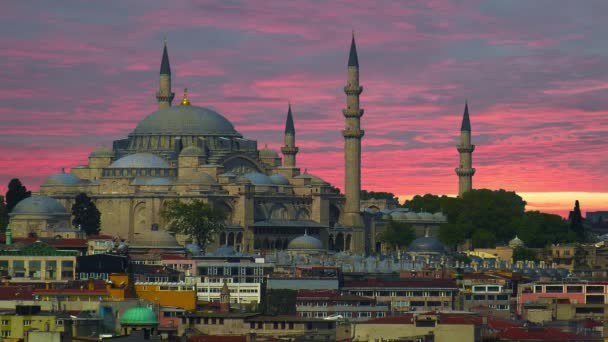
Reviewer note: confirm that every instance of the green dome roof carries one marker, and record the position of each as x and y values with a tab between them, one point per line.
139	315
185	120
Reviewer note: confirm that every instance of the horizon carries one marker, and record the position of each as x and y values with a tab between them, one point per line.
535	76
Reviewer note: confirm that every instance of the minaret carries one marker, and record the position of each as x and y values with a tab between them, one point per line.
466	171
164	96
289	150
352	142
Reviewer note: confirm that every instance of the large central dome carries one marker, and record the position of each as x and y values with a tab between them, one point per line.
185	120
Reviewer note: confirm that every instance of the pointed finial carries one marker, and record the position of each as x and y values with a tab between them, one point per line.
305	232
63	170
185	101
165	67
466	122
289	126
353	60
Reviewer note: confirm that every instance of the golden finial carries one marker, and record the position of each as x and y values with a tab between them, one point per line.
185	101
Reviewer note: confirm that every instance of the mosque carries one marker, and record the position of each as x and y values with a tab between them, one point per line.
187	152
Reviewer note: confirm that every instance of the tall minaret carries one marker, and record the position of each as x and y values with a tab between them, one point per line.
164	96
352	141
289	150
466	171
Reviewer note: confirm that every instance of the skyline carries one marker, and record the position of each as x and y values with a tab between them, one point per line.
535	76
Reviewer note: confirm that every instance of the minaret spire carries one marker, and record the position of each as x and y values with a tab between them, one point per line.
164	96
466	171
352	150
289	150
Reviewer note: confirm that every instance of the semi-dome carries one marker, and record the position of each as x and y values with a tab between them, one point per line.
155	238
185	120
191	151
39	205
140	160
426	244
102	152
257	178
63	179
139	315
305	242
279	179
268	153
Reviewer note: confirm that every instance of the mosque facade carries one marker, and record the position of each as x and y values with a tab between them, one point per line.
187	152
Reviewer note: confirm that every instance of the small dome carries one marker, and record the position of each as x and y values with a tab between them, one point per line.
139	315
268	153
516	242
411	216
193	249
102	152
305	242
199	178
185	120
155	238
39	205
439	216
314	180
63	179
279	179
191	151
140	160
257	178
398	215
425	215
426	245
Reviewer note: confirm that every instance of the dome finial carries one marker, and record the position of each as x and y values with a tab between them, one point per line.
185	101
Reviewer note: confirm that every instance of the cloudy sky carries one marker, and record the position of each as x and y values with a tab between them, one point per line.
77	75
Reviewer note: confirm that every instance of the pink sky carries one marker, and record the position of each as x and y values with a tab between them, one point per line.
75	77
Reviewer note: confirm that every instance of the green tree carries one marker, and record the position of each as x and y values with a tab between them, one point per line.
398	235
195	219
86	215
15	193
279	302
366	195
524	254
3	214
538	230
576	221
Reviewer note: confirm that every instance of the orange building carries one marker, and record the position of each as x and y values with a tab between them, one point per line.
177	295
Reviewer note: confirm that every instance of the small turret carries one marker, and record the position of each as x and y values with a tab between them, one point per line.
465	171
225	298
8	234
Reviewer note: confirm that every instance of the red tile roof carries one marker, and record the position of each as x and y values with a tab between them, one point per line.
100	237
541	334
16	292
174	257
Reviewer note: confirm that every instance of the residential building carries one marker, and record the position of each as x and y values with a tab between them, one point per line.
323	304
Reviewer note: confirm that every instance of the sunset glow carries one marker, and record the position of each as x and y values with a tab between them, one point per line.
535	75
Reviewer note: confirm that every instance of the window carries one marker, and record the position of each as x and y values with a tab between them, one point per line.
574	289
365	314
538	289
5	333
595	289
59	322
27	322
5	322
595	299
479	297
491	297
502	297
554	289
416	303
493	288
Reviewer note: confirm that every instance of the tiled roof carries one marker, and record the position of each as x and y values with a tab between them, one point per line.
15	292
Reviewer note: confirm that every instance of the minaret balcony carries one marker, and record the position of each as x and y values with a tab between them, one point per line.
353	133
465	149
289	150
352	113
353	90
464	172
165	97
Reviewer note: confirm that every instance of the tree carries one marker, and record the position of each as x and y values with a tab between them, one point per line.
367	195
279	302
524	254
538	229
16	192
398	235
86	215
576	221
195	219
3	214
